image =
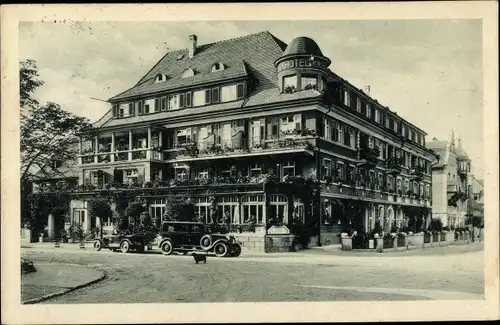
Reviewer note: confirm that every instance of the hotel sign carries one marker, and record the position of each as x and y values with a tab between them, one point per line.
303	63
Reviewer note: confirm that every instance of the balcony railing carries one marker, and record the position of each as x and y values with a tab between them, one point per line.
122	154
196	181
452	188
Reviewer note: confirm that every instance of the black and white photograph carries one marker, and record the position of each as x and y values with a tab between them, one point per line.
218	161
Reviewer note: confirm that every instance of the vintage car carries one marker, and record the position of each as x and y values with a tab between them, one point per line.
122	242
188	237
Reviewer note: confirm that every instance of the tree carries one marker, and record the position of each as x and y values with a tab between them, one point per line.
99	207
179	209
49	134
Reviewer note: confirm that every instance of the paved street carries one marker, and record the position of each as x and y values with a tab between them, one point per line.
446	273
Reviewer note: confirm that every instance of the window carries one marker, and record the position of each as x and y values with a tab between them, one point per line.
217	67
187	73
309	82
335	130
79	216
290	81
121	110
278	207
358	105
377	116
199	98
189	99
157	105
368	111
255	170
215	95
157	209
226	206
326	168
289	168
327	129
208	96
339	128
173	102
347	98
228	93
253	208
149	106
131	176
347	136
202	208
160	78
389	183
340	170
240	91
380	183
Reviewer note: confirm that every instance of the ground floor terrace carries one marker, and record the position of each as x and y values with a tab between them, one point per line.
319	212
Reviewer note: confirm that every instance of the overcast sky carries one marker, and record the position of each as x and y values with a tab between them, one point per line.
428	71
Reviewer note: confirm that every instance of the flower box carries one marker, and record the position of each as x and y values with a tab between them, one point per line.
443	236
427	238
435	238
346	243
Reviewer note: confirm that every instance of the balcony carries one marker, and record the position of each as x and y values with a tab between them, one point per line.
240	146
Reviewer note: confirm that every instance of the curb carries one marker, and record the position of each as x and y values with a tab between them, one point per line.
60	293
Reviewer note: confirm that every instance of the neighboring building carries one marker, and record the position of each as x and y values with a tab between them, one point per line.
213	121
450	182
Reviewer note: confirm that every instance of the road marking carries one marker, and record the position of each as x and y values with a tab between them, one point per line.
433	294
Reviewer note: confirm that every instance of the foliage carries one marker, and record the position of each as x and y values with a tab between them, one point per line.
377	229
76	232
48	134
36	209
179	209
99	207
436	225
369	155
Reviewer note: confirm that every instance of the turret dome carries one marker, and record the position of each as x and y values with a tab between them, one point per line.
302	45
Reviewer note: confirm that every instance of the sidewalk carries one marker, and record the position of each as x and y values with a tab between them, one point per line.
53	279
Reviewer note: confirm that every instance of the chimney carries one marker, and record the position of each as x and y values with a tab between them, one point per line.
192	47
367	90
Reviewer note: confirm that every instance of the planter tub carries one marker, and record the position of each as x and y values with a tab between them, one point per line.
416	240
346	243
450	237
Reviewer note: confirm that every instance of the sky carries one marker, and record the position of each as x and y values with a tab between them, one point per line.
428	71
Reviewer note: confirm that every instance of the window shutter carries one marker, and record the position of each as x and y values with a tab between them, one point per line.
188	99
131	109
115	110
215	95
208	96
181	100
141	107
157	105
240	91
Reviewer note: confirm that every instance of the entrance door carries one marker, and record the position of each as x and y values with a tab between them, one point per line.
118	176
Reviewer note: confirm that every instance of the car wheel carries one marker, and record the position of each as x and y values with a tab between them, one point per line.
124	246
221	250
167	248
206	242
236	250
97	245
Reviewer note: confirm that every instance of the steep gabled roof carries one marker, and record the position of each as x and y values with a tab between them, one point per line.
257	51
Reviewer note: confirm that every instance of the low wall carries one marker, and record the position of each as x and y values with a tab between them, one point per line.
279	243
411	242
253	242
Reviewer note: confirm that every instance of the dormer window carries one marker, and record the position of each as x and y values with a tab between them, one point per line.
188	73
160	78
217	67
